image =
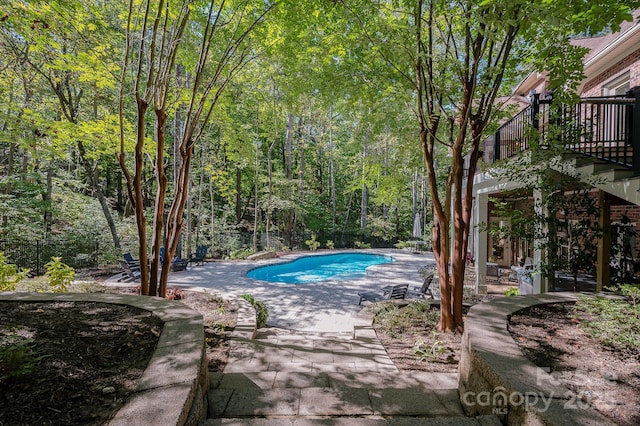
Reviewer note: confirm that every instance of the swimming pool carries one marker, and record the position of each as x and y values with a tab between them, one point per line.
310	269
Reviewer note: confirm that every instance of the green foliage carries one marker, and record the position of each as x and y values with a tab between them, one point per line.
395	320
9	274
613	322
312	243
402	245
361	245
249	298
631	292
241	253
60	275
511	292
262	311
329	244
431	350
17	357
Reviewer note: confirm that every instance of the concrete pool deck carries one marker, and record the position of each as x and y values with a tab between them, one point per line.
328	306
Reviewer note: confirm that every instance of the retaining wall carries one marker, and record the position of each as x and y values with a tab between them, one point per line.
495	378
173	387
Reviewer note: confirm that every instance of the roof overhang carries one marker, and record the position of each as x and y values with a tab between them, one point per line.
627	43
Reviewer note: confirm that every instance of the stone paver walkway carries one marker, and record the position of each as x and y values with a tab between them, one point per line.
320	362
288	377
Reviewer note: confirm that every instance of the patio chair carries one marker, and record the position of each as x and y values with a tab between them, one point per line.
495	274
130	260
130	272
179	264
201	252
389	292
424	290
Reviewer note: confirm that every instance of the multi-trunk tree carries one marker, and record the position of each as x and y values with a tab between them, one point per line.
456	58
209	42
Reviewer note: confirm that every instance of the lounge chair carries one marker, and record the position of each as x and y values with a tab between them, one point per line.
389	292
130	272
130	260
179	264
424	290
201	252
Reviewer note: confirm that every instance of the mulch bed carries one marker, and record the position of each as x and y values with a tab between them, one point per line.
84	359
609	380
83	362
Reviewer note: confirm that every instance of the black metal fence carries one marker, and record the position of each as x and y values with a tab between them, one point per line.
607	128
34	255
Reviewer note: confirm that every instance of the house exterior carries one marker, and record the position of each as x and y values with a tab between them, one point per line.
608	145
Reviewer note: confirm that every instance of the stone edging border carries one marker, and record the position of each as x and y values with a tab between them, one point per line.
495	378
173	387
246	323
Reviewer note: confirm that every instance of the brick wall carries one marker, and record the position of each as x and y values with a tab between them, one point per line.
630	63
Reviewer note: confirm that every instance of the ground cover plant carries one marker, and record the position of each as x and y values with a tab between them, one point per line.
409	334
590	347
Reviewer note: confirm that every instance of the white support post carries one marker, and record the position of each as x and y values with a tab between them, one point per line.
480	242
540	283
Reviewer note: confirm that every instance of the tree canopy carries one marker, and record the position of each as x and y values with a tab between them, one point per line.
251	124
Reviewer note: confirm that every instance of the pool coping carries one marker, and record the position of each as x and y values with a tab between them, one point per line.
295	257
173	388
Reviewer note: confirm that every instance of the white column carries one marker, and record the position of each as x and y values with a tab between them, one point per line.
480	242
540	283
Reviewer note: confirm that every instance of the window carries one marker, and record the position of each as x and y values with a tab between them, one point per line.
618	86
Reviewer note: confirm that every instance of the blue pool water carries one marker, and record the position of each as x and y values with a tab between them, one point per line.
310	269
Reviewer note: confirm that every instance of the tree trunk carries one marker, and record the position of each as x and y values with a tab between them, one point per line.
290	218
238	195
256	204
332	175
48	198
364	201
104	205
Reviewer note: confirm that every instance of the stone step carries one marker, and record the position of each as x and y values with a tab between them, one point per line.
358	421
326	401
417	380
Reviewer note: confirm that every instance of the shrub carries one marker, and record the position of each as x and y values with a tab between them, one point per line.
631	293
242	253
361	245
402	244
511	292
60	275
312	243
393	320
9	274
16	356
330	244
262	312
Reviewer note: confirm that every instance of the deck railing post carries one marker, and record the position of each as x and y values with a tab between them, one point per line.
634	133
496	146
535	110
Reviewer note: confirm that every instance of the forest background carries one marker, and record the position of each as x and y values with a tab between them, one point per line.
313	137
